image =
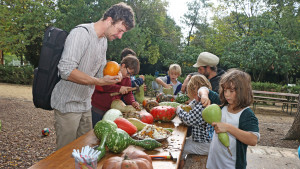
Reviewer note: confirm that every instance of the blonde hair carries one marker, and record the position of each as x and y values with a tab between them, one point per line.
196	82
175	68
240	82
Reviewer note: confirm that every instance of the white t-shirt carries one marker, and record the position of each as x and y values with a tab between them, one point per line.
165	79
218	156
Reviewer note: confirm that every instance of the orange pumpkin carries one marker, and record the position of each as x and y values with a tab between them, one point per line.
111	68
134	159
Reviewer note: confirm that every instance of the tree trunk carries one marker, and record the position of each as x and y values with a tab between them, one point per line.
1	57
294	132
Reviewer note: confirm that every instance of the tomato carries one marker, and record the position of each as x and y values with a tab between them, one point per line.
163	113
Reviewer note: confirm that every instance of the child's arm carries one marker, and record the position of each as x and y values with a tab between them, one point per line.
243	136
207	96
161	82
185	82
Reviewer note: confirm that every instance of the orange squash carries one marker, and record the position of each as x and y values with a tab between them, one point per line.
134	159
111	68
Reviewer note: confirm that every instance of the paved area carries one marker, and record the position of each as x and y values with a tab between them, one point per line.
258	157
263	157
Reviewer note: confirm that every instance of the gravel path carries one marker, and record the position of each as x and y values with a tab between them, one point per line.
22	144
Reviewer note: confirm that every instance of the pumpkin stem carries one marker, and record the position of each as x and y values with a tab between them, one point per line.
126	157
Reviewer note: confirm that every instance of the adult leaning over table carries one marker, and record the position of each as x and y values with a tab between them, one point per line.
81	68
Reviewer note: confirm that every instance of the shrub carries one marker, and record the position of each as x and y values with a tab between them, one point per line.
16	74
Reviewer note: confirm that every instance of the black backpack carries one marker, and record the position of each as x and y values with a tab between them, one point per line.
46	74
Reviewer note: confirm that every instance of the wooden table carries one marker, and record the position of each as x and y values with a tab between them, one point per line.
62	158
276	97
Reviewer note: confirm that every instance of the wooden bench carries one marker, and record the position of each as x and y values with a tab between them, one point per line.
285	99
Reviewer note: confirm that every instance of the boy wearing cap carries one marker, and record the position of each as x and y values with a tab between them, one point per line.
207	65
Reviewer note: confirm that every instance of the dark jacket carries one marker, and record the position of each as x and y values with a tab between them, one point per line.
215	80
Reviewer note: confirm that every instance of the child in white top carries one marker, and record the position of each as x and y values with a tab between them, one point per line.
238	120
170	81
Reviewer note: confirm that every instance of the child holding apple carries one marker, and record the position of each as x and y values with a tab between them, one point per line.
201	131
238	120
101	99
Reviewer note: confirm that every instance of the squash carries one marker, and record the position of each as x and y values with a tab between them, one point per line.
173	104
133	159
140	95
101	130
112	114
126	125
168	91
117	139
128	110
161	97
163	113
149	104
111	68
146	117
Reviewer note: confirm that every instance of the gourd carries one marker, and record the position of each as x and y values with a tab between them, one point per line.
112	114
149	104
127	110
168	91
101	130
181	98
139	95
213	113
111	68
126	125
173	104
161	97
163	113
146	117
130	160
117	139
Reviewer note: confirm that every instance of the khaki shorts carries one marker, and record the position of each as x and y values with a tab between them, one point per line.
69	126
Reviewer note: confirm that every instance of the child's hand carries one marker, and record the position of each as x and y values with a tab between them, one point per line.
220	127
136	105
205	100
124	89
168	86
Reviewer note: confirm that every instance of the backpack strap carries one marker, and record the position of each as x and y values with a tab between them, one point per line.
83	27
168	79
178	88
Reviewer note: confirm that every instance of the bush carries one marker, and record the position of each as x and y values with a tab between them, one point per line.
16	74
275	87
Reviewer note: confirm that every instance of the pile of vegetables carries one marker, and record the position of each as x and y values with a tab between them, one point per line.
181	98
117	139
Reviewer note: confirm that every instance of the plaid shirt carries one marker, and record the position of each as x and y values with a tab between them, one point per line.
201	131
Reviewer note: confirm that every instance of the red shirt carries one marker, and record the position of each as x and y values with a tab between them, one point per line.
102	100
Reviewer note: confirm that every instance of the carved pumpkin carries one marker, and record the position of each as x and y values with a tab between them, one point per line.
111	68
163	113
134	159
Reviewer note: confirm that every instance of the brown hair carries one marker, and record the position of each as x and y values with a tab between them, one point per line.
239	81
196	82
127	51
131	62
121	12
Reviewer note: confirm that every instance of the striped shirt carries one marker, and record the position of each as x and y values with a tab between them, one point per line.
86	52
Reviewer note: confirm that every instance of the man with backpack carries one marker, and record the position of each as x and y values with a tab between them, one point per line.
80	68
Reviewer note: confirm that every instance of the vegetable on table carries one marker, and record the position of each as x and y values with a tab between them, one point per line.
126	125
149	104
112	114
117	139
163	113
127	110
140	95
146	117
173	104
161	97
181	98
135	159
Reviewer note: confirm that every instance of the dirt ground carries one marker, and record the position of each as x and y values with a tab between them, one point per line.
22	144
